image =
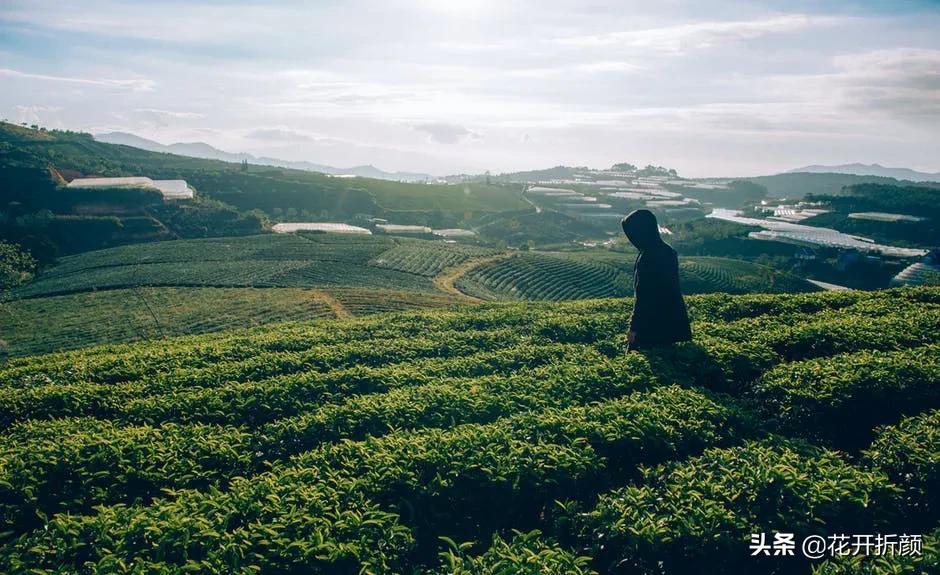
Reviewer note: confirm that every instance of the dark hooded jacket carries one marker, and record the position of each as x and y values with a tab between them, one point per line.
659	313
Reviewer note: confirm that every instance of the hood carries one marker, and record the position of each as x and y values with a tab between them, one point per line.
641	229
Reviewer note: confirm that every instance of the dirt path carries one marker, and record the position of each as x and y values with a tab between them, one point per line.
338	309
446	280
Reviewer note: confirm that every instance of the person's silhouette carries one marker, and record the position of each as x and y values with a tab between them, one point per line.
659	313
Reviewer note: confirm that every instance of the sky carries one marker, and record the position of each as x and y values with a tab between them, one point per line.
709	87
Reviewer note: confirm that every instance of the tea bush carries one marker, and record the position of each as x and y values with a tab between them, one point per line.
909	453
702	511
506	438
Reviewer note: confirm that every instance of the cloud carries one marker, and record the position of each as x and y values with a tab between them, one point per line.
698	35
148	21
133	85
864	90
156	112
444	133
608	66
282	135
903	83
159	118
35	114
546	82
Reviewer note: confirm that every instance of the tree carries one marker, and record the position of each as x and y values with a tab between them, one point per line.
623	167
651	170
16	265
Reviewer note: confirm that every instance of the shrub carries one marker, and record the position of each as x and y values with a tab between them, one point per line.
926	563
702	511
525	554
841	398
909	453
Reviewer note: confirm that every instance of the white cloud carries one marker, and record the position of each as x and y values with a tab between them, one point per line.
904	83
410	85
863	90
283	135
697	35
35	114
134	85
609	66
193	23
170	114
444	133
160	118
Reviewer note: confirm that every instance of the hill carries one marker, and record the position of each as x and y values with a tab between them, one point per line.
872	170
508	438
203	150
151	290
257	186
271	260
899	215
47	218
582	275
797	185
570	173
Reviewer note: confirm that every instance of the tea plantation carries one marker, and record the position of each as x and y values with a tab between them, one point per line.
580	275
182	287
500	439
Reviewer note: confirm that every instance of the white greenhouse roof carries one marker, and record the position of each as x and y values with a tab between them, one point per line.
803	234
403	229
174	189
884	217
110	182
454	233
340	228
171	189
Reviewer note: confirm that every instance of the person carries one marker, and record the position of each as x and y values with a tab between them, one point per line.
659	313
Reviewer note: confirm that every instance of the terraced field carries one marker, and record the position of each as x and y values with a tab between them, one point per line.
361	302
428	258
140	291
708	274
149	291
62	322
89	318
560	276
537	276
505	438
295	260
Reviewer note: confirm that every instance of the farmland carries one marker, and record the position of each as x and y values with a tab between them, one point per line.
255	186
504	438
292	260
580	275
180	287
41	325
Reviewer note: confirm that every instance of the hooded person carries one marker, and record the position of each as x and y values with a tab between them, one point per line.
659	313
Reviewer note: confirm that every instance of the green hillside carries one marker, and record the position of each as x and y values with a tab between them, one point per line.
40	213
61	322
800	184
340	260
153	290
157	289
580	275
245	187
921	202
272	260
506	438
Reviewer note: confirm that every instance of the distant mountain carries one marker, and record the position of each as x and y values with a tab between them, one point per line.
796	185
204	150
565	173
871	170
